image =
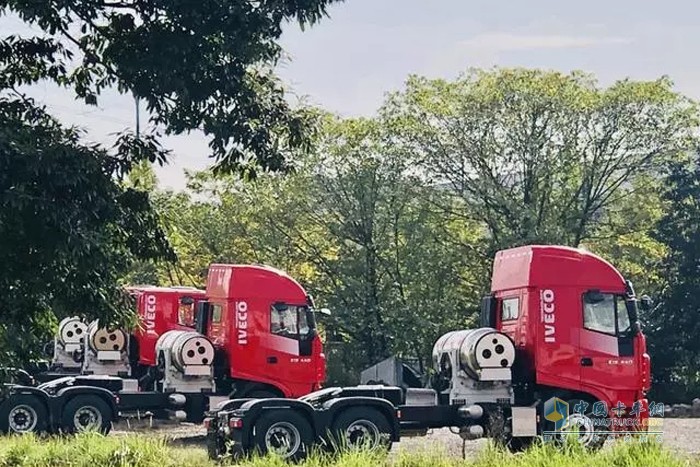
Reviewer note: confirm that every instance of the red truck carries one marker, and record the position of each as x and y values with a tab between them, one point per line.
252	333
559	349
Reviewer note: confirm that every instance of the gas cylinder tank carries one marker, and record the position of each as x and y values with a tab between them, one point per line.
102	339
71	330
477	349
186	348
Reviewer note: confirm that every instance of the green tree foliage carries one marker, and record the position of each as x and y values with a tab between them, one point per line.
68	231
197	65
675	324
69	226
539	156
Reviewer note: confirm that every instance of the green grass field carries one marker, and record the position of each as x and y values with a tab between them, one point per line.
92	450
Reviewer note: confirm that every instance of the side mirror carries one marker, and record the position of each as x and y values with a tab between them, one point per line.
645	303
202	317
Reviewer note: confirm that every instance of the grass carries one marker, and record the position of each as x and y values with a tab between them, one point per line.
93	450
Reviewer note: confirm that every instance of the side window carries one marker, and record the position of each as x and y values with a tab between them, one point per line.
185	312
623	318
599	314
510	308
289	321
283	321
216	313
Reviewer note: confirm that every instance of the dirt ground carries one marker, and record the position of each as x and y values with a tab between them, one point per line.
679	434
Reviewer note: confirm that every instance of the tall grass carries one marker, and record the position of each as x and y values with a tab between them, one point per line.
93	450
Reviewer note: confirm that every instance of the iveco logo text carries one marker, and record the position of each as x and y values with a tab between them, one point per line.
242	322
547	314
150	315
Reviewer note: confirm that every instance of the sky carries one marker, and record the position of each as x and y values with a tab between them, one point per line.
367	48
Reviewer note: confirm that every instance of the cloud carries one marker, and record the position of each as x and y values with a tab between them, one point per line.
506	42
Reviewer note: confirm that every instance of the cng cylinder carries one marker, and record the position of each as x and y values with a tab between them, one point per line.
71	330
186	348
476	349
104	339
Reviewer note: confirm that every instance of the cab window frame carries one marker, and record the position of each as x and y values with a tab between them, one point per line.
299	311
619	306
511	298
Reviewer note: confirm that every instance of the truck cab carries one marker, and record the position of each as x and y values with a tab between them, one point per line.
262	324
160	309
573	319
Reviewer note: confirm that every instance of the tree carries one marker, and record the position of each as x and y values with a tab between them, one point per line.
68	230
70	227
360	232
539	156
197	65
675	324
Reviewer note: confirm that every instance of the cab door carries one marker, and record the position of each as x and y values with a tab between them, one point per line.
607	354
288	343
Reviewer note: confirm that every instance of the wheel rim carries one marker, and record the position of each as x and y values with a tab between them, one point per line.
362	433
283	439
22	419
584	427
87	418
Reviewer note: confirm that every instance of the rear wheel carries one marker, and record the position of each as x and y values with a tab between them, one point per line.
362	428
23	413
87	413
286	434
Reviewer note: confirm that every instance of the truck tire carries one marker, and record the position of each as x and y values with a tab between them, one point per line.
592	428
23	413
362	427
285	433
86	413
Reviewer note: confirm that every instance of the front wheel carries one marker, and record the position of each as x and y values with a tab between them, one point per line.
286	434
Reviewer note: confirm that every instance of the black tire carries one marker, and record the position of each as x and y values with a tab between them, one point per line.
86	413
362	427
285	433
23	413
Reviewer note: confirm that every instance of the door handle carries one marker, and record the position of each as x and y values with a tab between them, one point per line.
272	360
586	361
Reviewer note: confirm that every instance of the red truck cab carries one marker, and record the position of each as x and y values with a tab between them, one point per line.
573	319
261	321
161	309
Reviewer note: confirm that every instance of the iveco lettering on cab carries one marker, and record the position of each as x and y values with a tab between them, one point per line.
150	315
547	314
242	322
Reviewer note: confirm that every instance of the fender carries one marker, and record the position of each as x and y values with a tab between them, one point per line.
334	406
229	405
255	407
41	394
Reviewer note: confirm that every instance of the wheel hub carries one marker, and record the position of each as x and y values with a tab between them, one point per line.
283	439
87	418
584	427
362	433
22	419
